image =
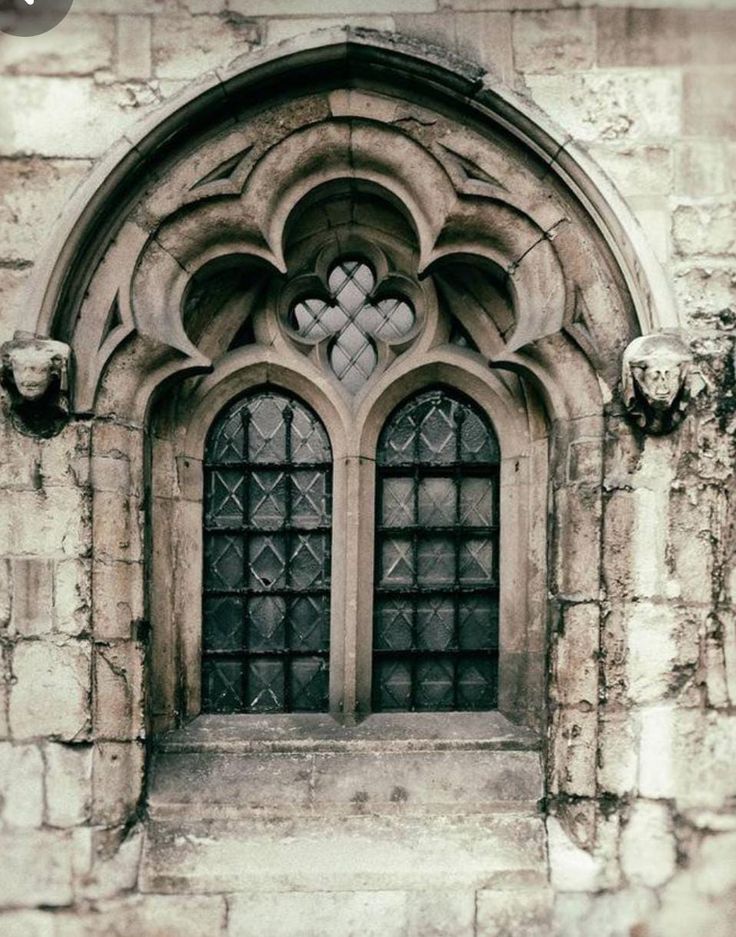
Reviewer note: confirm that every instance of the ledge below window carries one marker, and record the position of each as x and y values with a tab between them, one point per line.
310	764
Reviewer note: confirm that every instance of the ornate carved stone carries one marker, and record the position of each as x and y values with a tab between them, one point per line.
658	381
35	374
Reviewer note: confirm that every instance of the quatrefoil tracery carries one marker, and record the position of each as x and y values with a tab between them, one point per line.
353	317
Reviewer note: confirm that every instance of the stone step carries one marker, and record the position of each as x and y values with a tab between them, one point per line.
297	765
352	853
520	911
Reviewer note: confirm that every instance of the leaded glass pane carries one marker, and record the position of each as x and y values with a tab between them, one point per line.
266	690
392	680
227	616
223	561
353	319
222	685
308	683
477	497
436	607
397	506
436	502
434	687
267	516
435	622
394	624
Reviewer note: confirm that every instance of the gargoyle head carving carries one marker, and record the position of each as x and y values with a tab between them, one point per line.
35	373
658	381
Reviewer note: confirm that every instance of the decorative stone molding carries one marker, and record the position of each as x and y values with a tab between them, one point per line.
35	374
658	381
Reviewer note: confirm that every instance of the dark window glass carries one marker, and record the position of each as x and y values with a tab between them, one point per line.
436	605
267	517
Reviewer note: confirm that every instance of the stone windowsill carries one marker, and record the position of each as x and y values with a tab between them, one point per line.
292	732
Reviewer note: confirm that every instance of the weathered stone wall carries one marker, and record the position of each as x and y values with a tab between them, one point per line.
651	94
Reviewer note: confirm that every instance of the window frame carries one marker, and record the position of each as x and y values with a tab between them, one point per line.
176	453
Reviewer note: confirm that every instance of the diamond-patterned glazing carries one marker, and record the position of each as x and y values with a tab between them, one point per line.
354	318
436	605
267	517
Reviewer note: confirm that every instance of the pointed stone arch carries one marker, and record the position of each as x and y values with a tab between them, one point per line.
197	218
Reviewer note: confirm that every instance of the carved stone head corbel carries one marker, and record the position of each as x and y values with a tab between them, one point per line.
35	374
659	380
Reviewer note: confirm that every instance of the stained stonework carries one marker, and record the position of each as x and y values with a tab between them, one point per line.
599	800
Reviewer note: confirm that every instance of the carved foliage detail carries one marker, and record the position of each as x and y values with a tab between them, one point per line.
35	374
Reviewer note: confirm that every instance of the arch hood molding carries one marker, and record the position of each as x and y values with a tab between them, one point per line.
210	189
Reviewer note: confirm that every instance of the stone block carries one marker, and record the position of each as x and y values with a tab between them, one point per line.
653	214
21	785
73	596
40	873
573	762
606	915
45	523
50	690
33	597
13	284
576	656
518	912
118	527
118	691
277	30
617	753
440	913
647	549
625	106
705	228
691	548
117	781
701	169
117	599
688	755
112	870
68	784
318	914
35	192
65	458
707	110
326	7
637	170
576	542
665	37
185	47
110	474
79	45
27	924
486	38
453	781
656	756
6	593
572	869
4	681
367	853
135	7
662	651
648	850
150	916
706	294
133	47
95	114
554	40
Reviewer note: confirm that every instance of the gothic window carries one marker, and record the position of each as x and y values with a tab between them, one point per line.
267	522
435	630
